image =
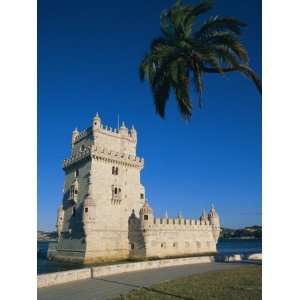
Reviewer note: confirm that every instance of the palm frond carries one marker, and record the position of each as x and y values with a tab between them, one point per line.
198	83
201	8
181	87
161	92
217	23
226	39
249	73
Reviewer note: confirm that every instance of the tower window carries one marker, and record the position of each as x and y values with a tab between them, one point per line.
115	170
74	211
76	173
145	217
142	196
86	209
116	191
132	246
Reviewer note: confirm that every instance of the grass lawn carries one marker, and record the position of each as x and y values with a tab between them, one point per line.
243	283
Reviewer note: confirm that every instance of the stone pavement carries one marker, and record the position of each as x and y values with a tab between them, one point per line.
109	287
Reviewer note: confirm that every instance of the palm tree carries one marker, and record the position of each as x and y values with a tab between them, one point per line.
184	53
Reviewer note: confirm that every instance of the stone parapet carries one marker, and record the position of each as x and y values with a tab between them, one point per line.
106	131
83	134
106	155
51	279
178	221
78	156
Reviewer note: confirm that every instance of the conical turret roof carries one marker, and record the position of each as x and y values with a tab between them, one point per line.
146	209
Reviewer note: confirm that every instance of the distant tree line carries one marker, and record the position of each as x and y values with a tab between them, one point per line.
247	232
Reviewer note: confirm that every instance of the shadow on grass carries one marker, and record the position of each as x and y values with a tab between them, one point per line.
145	288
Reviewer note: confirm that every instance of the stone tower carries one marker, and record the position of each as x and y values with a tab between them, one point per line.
101	189
104	214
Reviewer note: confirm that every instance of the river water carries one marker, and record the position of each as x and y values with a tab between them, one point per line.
241	246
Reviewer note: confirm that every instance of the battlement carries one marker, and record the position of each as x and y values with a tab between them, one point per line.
76	157
176	224
83	134
178	221
102	153
121	132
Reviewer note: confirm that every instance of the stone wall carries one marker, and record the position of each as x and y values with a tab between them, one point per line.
62	277
165	237
74	275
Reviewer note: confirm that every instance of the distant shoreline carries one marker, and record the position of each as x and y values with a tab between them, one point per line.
240	238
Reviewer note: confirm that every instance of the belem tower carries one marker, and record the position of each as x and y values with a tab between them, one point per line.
104	215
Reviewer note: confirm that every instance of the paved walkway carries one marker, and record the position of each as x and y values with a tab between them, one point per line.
109	287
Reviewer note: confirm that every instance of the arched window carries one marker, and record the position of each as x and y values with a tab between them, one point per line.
115	170
145	217
86	209
76	173
132	246
73	211
116	190
163	245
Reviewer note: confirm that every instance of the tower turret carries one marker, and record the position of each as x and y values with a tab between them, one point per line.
60	220
89	210
146	214
215	222
213	217
133	133
204	218
75	133
96	122
123	130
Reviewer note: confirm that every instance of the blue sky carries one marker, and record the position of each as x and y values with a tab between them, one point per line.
88	57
